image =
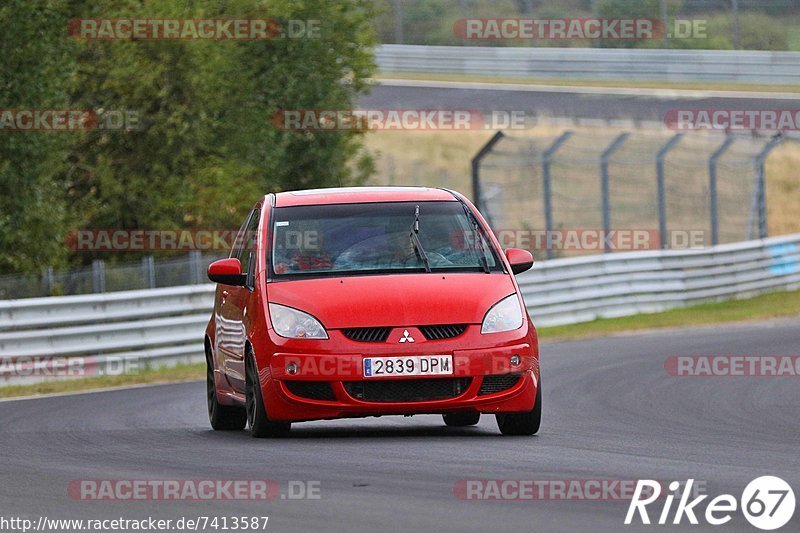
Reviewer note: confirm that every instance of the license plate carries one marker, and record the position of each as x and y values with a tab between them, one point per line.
413	365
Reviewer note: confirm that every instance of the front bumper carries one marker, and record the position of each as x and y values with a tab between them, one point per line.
480	383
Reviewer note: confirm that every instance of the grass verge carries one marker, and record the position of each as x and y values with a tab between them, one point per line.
774	305
152	376
628	84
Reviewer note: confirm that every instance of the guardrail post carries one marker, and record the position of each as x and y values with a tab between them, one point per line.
149	271
606	203
547	158
662	200
712	187
477	199
99	276
761	183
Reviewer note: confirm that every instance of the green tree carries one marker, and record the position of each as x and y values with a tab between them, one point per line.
323	72
35	68
205	148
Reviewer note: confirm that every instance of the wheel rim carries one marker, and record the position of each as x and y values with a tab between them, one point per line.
250	399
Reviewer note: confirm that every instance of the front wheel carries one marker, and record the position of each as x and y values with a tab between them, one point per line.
258	422
222	417
523	423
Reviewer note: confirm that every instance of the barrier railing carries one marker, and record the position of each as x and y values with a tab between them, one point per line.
726	66
163	327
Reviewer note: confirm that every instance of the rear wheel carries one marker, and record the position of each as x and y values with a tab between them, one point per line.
222	417
523	423
257	420
461	419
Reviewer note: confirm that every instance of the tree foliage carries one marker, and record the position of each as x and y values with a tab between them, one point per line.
203	147
34	68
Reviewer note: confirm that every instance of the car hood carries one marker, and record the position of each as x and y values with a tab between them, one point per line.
394	300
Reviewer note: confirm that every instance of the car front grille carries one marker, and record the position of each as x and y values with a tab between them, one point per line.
407	390
445	331
379	334
312	390
498	383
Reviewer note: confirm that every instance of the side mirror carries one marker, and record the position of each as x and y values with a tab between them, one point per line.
520	260
227	271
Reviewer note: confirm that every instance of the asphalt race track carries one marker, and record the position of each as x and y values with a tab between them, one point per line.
580	103
611	411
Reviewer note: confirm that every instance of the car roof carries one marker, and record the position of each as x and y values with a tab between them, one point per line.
352	195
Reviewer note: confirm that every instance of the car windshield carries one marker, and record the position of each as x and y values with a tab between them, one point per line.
376	238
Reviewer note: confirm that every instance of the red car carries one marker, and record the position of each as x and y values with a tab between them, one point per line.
356	302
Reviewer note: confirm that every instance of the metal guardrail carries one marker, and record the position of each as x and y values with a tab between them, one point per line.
111	331
729	66
580	289
163	327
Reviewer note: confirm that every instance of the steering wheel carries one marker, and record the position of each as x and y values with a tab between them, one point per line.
437	259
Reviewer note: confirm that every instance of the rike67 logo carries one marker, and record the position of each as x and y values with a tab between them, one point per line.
767	502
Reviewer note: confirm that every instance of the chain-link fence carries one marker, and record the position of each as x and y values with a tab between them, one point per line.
148	273
671	189
571	192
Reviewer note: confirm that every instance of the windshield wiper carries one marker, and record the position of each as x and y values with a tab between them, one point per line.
415	242
478	236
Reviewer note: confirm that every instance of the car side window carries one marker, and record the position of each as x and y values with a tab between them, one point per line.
240	241
247	253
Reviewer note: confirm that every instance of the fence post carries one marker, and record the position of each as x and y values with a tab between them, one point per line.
99	276
195	262
49	281
761	183
662	201
476	169
149	271
607	153
712	187
547	158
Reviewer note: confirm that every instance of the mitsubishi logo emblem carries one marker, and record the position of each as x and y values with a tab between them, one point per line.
406	337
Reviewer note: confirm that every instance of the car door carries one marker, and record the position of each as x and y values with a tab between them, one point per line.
231	333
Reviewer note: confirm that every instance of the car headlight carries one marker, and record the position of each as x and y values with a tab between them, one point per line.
294	324
505	315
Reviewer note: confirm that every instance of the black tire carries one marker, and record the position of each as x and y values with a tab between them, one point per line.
222	417
461	419
257	421
523	423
